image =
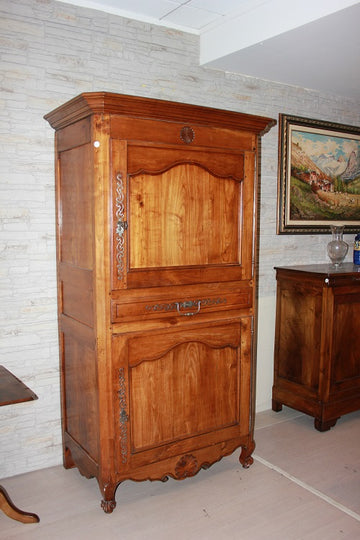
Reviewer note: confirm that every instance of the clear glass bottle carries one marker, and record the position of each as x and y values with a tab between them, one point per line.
337	248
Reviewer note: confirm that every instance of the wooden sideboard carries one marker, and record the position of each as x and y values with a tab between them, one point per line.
156	229
317	354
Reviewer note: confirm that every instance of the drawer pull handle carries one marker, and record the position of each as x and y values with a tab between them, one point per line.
187	305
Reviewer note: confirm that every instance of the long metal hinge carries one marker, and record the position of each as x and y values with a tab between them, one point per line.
123	416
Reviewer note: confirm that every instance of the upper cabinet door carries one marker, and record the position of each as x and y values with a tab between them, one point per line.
180	214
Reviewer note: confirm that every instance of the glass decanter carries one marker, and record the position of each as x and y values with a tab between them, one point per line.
337	248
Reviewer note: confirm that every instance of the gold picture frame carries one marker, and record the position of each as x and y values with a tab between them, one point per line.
318	176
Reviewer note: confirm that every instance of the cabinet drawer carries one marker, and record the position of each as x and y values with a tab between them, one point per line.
186	303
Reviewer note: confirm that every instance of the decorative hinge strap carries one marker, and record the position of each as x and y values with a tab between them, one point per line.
121	227
123	417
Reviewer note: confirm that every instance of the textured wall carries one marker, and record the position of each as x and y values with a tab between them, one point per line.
49	53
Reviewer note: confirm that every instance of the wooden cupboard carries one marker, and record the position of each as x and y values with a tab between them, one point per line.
156	244
317	360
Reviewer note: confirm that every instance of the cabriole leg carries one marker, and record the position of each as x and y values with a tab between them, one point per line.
245	457
108	504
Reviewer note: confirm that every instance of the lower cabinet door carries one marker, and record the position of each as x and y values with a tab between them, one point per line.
180	391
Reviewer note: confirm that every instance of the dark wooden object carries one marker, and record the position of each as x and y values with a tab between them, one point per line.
156	221
12	390
317	357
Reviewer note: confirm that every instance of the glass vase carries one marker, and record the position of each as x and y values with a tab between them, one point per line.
337	248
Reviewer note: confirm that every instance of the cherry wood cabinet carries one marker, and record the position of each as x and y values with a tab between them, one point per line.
156	229
317	358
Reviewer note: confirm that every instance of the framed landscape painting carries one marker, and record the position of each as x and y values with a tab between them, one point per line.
319	176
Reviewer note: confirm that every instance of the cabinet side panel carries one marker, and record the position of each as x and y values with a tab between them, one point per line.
76	290
74	135
76	208
75	223
299	339
80	387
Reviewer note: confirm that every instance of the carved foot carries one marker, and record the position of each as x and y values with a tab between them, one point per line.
108	506
276	406
108	503
324	426
245	457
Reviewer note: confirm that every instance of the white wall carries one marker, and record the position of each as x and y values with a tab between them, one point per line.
49	53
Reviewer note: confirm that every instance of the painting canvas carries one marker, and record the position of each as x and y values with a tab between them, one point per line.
319	176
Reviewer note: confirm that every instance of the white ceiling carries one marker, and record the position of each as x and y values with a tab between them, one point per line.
309	43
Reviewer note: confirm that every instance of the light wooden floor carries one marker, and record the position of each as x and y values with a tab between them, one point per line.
303	485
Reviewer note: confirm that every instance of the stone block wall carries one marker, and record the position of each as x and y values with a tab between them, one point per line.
49	53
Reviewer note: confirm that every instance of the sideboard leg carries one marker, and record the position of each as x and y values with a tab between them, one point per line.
320	425
276	406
